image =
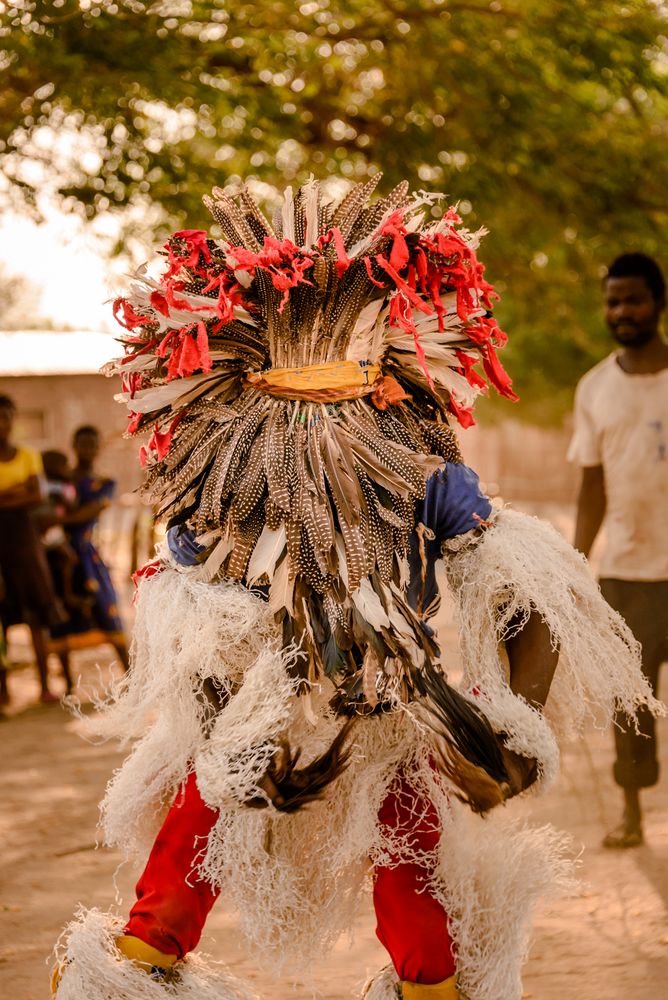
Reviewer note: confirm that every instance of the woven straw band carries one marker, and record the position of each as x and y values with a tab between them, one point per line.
328	382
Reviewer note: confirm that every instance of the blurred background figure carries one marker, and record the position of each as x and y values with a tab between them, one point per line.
96	605
621	442
4	690
29	595
59	501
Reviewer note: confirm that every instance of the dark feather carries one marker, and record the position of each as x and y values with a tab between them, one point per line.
462	725
300	785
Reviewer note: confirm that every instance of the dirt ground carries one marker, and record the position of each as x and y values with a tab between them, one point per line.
609	941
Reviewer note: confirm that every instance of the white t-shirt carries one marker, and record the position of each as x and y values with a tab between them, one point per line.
621	423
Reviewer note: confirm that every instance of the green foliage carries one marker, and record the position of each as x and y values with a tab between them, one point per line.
547	119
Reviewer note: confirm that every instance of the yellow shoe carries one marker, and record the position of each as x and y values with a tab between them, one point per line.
56	976
145	957
447	990
151	961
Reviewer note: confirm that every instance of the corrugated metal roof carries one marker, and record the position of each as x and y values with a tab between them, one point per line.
46	352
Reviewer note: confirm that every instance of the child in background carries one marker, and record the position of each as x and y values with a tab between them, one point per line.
91	577
60	500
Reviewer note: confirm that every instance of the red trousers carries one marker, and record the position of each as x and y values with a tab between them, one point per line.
173	903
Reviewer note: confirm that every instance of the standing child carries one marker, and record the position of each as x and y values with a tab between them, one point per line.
92	581
60	500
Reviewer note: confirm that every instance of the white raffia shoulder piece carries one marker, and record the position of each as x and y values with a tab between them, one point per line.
94	969
522	564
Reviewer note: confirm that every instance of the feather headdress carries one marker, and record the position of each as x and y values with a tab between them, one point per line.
298	378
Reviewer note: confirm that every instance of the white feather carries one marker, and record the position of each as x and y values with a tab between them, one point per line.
341	554
368	604
282	588
210	568
147	400
311	195
129	364
306	703
361	340
288	215
415	223
404	571
266	553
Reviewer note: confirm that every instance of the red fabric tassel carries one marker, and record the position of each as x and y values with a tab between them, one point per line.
159	303
404	287
342	260
188	351
160	441
497	374
134	419
125	315
369	271
144	572
464	414
473	377
196	244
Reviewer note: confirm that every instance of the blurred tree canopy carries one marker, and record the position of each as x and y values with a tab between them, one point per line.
547	120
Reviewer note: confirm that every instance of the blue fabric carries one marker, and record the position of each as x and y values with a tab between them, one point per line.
453	505
183	547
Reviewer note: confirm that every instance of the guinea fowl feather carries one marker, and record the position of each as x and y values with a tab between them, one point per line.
339	472
253	212
274	462
212	494
348	212
252	487
357	558
245	235
246	536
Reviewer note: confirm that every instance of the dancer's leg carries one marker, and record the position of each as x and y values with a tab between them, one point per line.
412	924
172	901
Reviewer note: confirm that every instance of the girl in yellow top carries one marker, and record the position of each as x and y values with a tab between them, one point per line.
29	595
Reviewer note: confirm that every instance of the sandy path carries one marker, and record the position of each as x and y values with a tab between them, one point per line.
611	941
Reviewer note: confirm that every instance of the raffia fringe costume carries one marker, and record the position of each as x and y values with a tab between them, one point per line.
297	380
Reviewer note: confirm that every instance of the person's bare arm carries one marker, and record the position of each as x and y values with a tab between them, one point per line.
88	511
533	661
26	494
590	509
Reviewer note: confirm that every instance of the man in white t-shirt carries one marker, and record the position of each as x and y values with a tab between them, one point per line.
621	443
